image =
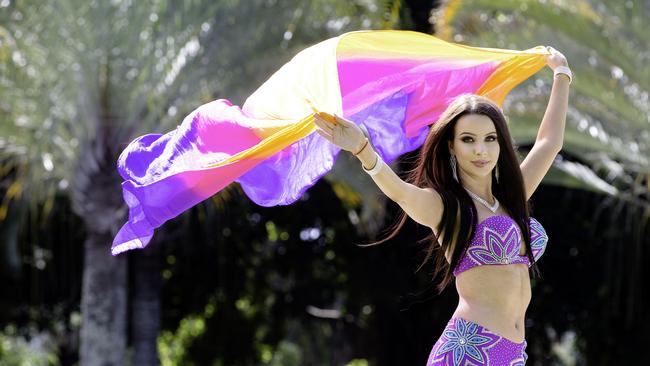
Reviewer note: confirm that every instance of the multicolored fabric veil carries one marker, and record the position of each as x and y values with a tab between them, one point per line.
396	83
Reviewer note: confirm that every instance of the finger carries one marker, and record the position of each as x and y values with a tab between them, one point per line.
327	117
328	122
324	134
323	124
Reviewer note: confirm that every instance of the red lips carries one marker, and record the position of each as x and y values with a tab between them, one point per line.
480	163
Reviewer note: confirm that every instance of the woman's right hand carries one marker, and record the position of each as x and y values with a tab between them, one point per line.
339	131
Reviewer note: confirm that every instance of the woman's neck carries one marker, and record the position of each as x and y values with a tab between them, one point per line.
481	187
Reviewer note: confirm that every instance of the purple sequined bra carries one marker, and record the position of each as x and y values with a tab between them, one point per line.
497	240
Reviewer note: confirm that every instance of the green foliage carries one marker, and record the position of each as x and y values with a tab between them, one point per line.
608	125
279	278
358	362
17	350
286	354
173	346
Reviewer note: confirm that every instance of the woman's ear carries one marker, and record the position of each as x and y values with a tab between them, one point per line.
450	146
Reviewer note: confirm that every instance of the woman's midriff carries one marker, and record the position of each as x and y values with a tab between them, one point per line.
495	297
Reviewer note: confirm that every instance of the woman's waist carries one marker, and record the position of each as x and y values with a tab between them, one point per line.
501	297
508	312
503	286
506	301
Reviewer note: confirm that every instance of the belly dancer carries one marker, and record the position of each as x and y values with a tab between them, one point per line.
470	189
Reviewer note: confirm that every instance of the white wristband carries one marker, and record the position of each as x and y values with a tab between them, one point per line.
563	70
376	168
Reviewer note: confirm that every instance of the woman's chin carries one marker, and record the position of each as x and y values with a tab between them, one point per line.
479	174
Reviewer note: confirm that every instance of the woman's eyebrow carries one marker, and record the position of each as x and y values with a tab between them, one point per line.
469	133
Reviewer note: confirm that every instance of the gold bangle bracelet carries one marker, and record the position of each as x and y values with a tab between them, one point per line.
360	150
379	162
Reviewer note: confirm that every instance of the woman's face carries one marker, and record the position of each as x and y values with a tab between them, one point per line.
475	145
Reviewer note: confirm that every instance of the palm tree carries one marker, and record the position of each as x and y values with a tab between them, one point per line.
81	79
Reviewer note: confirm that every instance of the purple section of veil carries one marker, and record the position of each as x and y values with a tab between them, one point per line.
288	174
165	175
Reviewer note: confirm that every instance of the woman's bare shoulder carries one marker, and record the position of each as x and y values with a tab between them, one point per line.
423	205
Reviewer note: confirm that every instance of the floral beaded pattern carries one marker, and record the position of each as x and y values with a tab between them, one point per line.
497	240
465	343
538	238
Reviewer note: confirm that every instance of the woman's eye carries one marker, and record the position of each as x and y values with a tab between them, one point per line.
491	138
467	139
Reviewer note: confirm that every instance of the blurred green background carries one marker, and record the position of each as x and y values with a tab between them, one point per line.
233	283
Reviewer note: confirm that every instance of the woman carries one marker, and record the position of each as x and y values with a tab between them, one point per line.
468	187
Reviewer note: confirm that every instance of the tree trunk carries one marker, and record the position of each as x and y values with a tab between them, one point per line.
103	304
146	314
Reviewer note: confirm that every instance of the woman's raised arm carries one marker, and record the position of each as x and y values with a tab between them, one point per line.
550	136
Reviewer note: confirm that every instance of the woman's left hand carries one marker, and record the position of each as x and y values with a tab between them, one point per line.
555	58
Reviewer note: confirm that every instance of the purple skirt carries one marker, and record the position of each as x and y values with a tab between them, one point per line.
465	343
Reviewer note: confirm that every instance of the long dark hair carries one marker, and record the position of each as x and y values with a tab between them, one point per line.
433	170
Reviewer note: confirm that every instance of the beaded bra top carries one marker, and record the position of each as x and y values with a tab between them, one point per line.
497	241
